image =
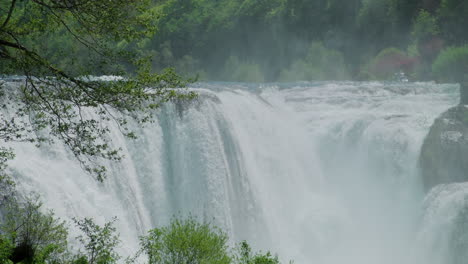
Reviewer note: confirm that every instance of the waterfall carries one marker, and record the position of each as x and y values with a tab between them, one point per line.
320	172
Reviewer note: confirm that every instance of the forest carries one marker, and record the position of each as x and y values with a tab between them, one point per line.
290	40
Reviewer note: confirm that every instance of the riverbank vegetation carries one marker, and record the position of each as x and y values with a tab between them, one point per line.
30	236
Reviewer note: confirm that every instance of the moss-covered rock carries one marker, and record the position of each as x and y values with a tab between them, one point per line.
444	154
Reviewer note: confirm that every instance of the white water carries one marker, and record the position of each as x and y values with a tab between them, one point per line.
318	172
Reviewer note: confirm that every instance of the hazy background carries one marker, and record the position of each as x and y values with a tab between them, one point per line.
288	40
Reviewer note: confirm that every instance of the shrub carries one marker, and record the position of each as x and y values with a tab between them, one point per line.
6	248
388	62
319	64
245	256
452	65
236	70
31	235
186	242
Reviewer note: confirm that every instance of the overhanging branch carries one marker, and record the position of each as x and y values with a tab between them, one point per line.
10	12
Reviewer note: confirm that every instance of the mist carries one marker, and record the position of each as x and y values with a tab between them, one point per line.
283	41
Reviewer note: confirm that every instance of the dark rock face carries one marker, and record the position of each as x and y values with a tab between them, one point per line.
444	154
464	93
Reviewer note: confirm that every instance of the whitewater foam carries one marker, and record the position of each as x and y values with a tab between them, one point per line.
317	172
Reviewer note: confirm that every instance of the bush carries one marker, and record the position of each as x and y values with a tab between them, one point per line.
388	62
30	236
6	248
319	64
186	242
245	256
239	71
452	65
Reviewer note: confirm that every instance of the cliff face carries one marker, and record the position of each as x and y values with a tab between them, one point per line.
444	154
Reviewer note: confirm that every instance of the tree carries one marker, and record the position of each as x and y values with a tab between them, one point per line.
452	66
453	20
425	26
99	242
56	97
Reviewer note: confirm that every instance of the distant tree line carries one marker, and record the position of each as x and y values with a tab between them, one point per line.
252	40
287	40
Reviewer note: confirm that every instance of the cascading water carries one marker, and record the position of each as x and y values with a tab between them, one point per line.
317	172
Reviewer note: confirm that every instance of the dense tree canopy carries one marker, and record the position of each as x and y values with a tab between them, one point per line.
268	37
207	36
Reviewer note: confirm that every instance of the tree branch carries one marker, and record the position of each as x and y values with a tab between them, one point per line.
58	5
12	45
10	12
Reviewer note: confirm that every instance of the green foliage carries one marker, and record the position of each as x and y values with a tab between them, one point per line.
453	20
276	35
235	70
30	235
7	186
54	44
245	256
425	26
319	64
99	243
386	63
266	40
452	65
6	248
186	242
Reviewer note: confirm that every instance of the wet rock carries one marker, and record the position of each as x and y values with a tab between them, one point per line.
444	154
464	93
